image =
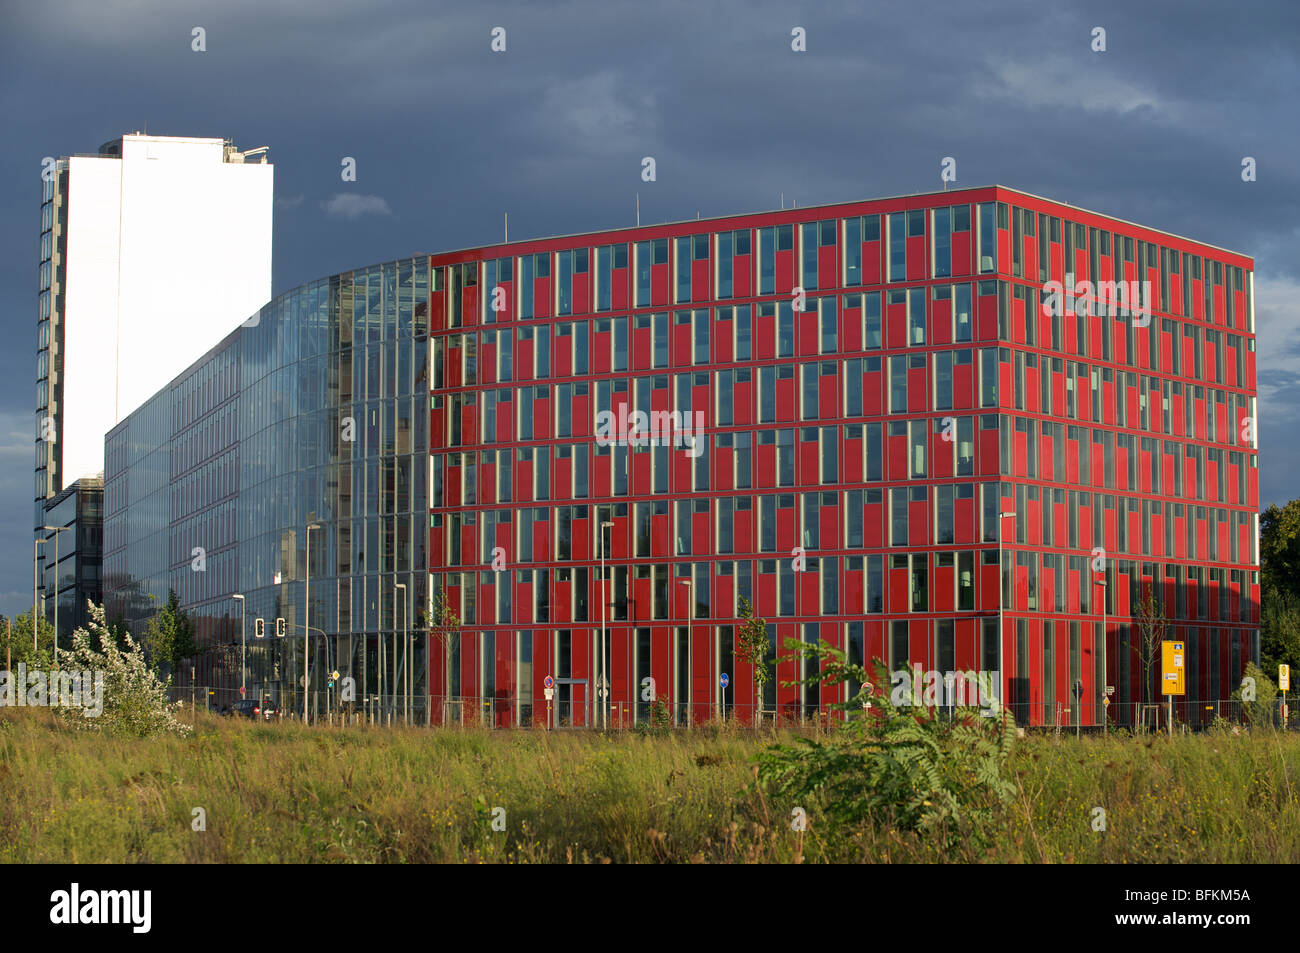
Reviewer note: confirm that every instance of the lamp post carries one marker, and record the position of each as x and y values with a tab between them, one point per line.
56	530
1002	675
243	648
690	654
306	615
604	604
35	564
1105	675
406	659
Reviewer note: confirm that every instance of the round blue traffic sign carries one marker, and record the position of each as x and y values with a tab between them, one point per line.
550	682
725	680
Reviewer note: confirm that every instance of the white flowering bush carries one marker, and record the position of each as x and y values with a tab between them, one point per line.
134	698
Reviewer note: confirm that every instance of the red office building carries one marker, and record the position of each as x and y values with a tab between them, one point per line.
968	431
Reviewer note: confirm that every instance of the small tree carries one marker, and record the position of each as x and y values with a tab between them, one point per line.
16	642
169	636
1152	628
133	699
444	625
752	647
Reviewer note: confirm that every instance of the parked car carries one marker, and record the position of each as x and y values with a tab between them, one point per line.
248	708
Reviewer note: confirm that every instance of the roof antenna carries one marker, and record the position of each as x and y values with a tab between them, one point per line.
783	201
507	214
638	210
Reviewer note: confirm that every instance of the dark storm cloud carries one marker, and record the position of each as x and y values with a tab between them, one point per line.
449	135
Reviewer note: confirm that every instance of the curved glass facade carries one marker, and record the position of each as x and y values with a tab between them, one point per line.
314	411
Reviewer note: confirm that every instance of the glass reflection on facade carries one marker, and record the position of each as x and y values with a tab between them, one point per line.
312	412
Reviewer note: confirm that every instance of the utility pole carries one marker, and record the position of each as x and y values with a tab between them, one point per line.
306	615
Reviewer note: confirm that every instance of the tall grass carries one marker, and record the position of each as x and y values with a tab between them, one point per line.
283	793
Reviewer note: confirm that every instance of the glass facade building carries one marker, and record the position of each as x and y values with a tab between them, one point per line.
314	412
923	429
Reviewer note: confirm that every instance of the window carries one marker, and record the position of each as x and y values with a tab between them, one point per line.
897	248
942	242
988	248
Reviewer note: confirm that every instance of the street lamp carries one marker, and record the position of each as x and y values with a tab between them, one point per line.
1002	675
243	648
690	654
406	658
56	530
306	615
1105	674
604	603
35	564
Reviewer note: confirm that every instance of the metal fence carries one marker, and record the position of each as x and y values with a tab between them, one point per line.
325	707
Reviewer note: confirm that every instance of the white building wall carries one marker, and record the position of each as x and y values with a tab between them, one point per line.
169	249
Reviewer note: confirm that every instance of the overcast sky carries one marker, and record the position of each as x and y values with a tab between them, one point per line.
448	135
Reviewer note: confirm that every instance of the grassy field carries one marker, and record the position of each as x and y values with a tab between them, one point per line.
282	793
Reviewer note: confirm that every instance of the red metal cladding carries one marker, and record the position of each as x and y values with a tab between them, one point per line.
845	461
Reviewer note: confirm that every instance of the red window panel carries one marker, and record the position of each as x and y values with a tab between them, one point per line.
581	533
437	311
660	276
918	522
641	345
965	524
851	329
524	362
742	276
896	457
918	390
1180	534
542	540
724	343
1018	319
895	323
987	451
469	305
541	297
898	600
639	470
1121	468
541	410
765	592
809	461
487	482
1252	487
1212	481
1032	390
455	357
681	343
563	478
828	272
828	394
562	606
873	392
702	279
487	365
765	465
963	254
640	590
1233	475
854	602
787	529
829	520
581	298
1198	299
963	386
601	475
601	345
941	321
743	401
785	399
966	657
1046	461
942	453
872	256
1004	247
505	421
1086	540
582	416
1056	260
661	534
469	543
989	584
807	587
917	258
437	536
469	424
873	524
618	289
1220	309
920	647
1110	525
809	336
851	454
784	272
986	317
1030	255
438	425
523	481
724	459
943	593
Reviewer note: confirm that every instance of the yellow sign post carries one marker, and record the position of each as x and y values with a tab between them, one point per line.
1284	683
1173	670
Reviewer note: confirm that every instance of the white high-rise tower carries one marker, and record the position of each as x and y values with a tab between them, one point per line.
151	252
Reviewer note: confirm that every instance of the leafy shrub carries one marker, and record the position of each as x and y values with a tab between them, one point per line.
914	768
134	699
